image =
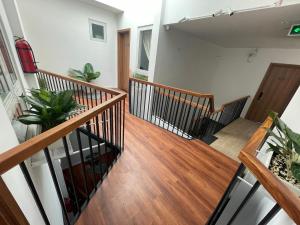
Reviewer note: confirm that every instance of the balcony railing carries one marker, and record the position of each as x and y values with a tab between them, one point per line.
87	145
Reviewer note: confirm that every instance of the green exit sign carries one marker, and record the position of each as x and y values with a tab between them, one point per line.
295	30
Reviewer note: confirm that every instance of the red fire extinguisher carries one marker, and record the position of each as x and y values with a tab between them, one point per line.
26	56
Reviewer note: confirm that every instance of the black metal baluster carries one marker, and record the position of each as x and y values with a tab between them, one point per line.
129	95
120	125
190	131
226	197
171	110
92	105
87	98
142	103
182	112
276	208
34	192
176	114
123	126
82	163
82	97
203	111
99	148
154	105
105	138
115	124
149	101
166	108
145	101
78	93
158	105
134	98
246	199
107	117
111	124
66	148
187	116
139	101
57	188
163	103
88	126
206	116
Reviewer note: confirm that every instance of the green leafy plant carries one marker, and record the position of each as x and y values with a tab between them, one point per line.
48	108
285	142
86	75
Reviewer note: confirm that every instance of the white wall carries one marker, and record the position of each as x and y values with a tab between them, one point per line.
14	17
186	61
58	31
174	11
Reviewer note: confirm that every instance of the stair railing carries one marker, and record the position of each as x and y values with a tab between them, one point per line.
186	113
100	125
259	178
228	113
177	110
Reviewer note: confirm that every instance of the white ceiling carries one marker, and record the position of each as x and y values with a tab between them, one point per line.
265	28
104	4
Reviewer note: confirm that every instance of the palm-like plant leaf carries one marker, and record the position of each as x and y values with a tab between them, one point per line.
87	75
48	108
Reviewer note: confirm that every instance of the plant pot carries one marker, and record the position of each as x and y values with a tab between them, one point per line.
292	187
57	149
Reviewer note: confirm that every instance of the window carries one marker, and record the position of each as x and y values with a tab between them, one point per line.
97	30
7	60
144	49
4	87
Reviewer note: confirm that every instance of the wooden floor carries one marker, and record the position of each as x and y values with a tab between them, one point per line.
160	179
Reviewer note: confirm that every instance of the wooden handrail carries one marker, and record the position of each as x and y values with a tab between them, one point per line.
286	198
229	103
197	94
18	154
258	137
188	92
176	98
108	90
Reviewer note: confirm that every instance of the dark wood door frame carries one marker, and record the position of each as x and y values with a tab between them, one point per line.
266	77
120	73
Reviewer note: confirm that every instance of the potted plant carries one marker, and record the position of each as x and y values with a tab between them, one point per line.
285	145
49	109
88	74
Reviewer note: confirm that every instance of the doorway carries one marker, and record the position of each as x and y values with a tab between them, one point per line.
275	91
123	59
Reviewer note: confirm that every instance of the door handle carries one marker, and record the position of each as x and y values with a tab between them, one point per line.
260	95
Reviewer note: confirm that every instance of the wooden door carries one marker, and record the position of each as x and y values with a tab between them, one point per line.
123	59
275	92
